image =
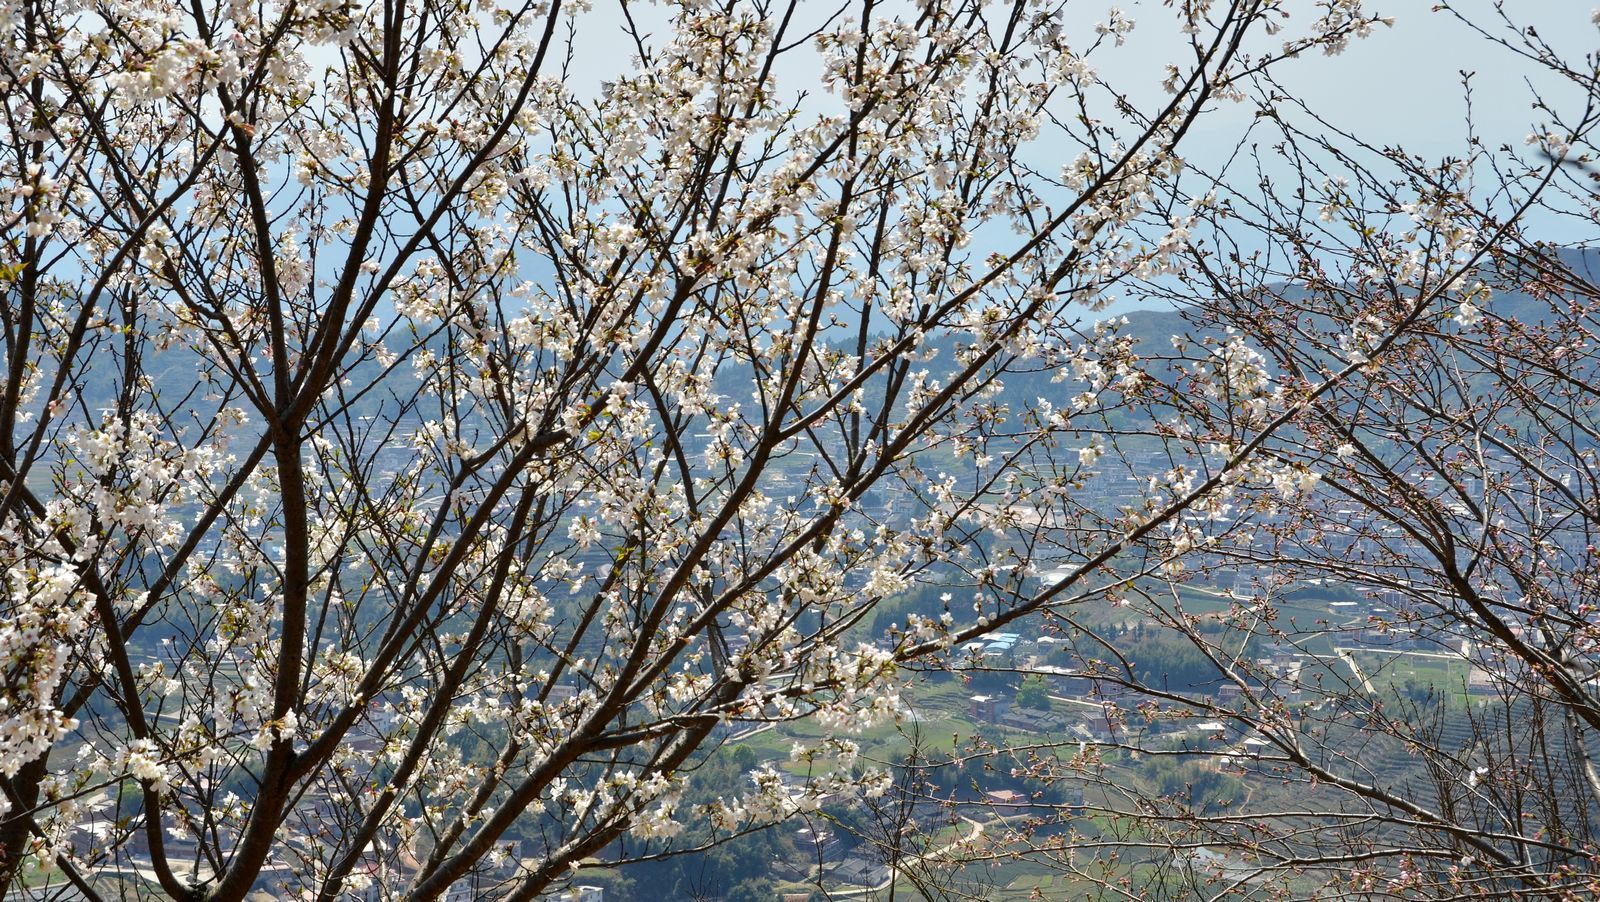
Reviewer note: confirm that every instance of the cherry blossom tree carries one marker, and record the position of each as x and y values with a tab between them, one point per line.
1371	670
418	451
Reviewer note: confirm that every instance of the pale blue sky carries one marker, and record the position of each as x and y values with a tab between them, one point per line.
1401	85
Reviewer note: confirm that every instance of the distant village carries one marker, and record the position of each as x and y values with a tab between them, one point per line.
1370	635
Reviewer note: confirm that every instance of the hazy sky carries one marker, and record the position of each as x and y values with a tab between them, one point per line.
1399	86
1401	83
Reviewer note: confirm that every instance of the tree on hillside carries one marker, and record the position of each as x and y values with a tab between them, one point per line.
428	429
1419	715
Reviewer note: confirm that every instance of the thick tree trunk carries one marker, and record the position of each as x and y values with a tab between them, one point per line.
14	832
